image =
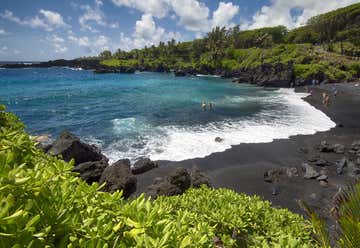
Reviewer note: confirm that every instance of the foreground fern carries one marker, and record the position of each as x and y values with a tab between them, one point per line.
42	203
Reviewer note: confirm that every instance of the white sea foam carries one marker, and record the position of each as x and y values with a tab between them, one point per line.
207	75
178	143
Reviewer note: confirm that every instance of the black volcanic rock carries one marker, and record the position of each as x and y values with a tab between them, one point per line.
180	73
178	182
70	147
91	171
269	75
143	165
118	176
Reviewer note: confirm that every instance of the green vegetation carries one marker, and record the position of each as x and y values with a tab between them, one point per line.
346	212
118	62
329	45
42	203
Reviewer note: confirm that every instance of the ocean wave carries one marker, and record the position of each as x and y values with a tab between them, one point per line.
178	143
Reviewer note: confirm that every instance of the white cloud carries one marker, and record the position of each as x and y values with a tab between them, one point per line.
57	42
92	45
279	12
80	41
94	14
55	39
146	34
102	43
8	15
46	19
224	14
53	18
2	31
4	50
60	48
192	13
16	52
157	8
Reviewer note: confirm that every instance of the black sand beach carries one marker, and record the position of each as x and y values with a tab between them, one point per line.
242	167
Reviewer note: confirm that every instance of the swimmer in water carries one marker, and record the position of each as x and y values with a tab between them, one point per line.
203	106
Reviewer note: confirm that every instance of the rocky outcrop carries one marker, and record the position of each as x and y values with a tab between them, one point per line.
143	165
91	172
108	69
43	142
274	175
74	63
177	183
70	147
118	176
336	148
277	75
180	73
198	178
310	172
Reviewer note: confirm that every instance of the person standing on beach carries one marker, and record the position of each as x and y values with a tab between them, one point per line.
327	100
323	98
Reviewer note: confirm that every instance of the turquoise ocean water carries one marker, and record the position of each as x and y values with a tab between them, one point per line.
156	115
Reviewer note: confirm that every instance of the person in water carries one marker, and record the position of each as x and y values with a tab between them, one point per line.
203	106
210	106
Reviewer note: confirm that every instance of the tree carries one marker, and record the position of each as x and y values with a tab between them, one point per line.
105	54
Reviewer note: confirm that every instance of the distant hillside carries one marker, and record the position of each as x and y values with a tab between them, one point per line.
327	48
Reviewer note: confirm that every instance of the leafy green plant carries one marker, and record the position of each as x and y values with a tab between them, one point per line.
44	204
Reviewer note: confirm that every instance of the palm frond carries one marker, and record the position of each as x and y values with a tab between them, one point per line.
321	234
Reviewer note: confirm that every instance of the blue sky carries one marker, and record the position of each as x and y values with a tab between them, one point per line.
42	29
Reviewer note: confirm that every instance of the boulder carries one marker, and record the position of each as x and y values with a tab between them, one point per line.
338	148
303	150
70	147
358	161
164	188
353	170
322	178
118	176
43	142
198	178
177	182
325	147
273	175
91	171
340	165
355	145
292	172
310	172
323	183
143	165
322	162
180	178
218	139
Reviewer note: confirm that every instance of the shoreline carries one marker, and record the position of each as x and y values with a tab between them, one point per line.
242	167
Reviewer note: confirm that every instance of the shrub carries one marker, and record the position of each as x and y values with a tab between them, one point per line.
43	203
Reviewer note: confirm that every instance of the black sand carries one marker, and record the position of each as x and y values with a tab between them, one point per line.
242	167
